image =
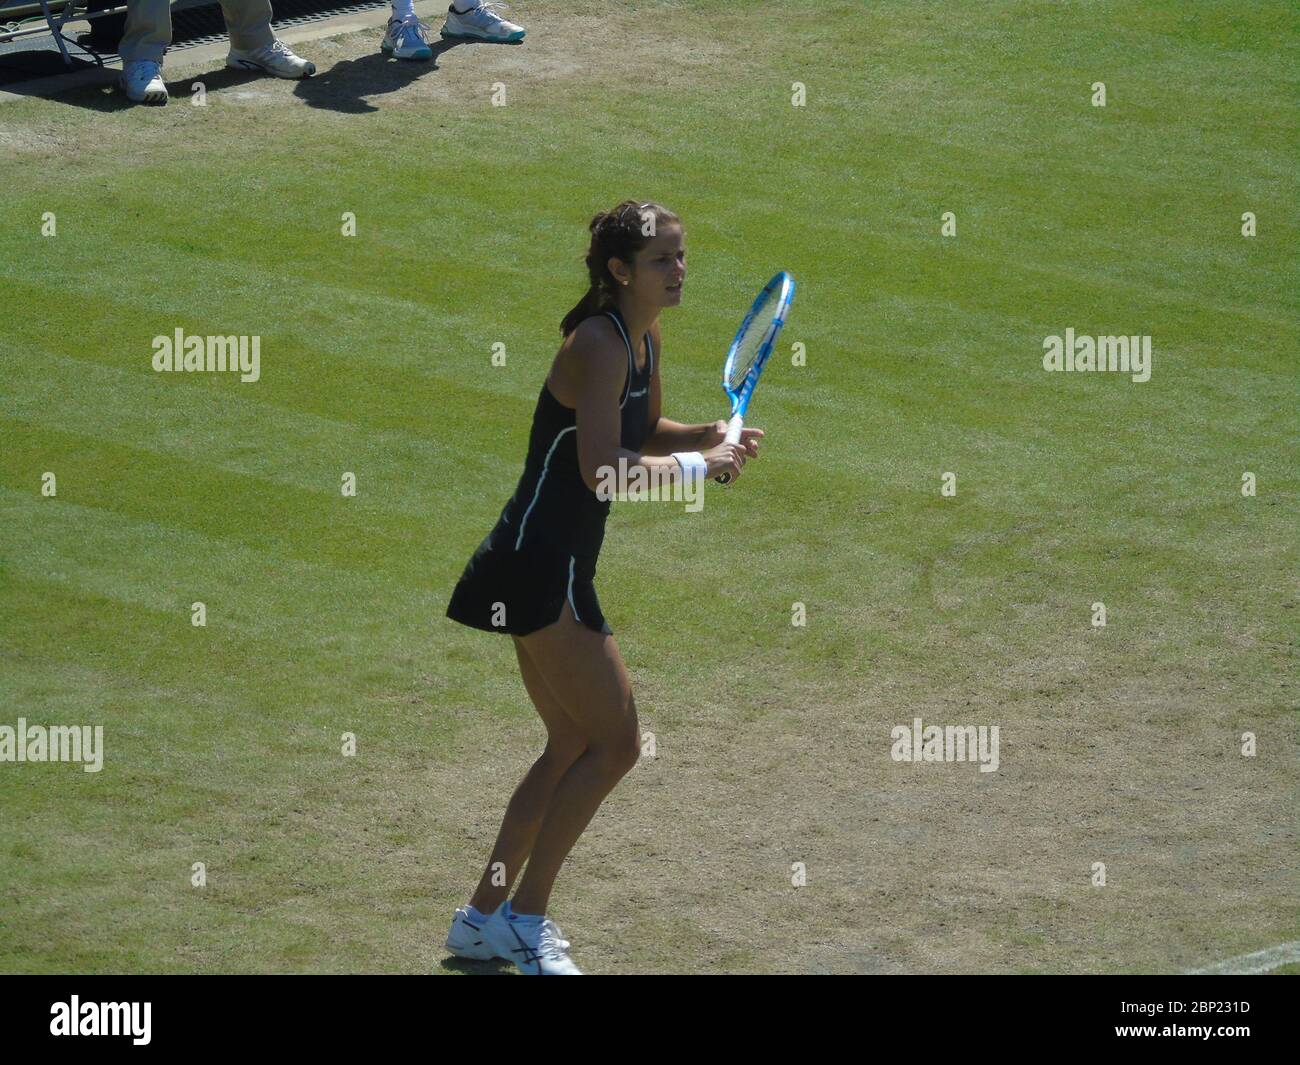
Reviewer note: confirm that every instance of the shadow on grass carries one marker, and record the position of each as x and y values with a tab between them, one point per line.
466	967
103	93
345	86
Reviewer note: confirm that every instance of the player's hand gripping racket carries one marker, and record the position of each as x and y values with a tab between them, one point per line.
754	342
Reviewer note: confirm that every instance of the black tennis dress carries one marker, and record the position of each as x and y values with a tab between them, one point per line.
542	551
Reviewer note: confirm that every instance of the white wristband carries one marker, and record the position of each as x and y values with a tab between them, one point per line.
693	465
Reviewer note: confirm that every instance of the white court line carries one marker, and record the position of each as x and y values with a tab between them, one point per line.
1261	961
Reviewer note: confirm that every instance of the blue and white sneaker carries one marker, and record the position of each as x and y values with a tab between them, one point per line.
481	23
535	944
469	936
407	39
476	937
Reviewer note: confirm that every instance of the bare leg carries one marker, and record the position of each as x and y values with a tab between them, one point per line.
523	817
585	671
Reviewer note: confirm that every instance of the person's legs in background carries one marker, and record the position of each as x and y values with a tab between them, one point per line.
145	39
253	45
406	36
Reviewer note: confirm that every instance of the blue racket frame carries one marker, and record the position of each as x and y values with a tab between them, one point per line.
783	285
741	396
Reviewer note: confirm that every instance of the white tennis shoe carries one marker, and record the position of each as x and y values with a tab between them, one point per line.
472	938
275	58
406	39
468	938
142	82
537	947
481	24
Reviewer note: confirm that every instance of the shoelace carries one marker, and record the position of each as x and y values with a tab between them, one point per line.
412	24
548	943
489	7
146	72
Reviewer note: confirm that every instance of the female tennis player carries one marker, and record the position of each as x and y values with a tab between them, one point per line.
532	576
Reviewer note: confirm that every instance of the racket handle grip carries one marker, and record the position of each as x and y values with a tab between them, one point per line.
732	437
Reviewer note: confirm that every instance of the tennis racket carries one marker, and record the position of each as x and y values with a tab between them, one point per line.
749	352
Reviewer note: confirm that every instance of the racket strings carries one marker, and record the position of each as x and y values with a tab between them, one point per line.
750	344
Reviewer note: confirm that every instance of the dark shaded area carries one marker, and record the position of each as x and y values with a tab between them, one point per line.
344	85
193	23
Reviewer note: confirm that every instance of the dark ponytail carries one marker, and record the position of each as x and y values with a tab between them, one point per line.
616	234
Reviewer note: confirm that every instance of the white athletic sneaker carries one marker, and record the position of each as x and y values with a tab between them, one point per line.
481	24
142	82
468	938
407	39
275	59
537	947
471	938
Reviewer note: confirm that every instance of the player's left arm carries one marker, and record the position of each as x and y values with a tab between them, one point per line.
667	436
